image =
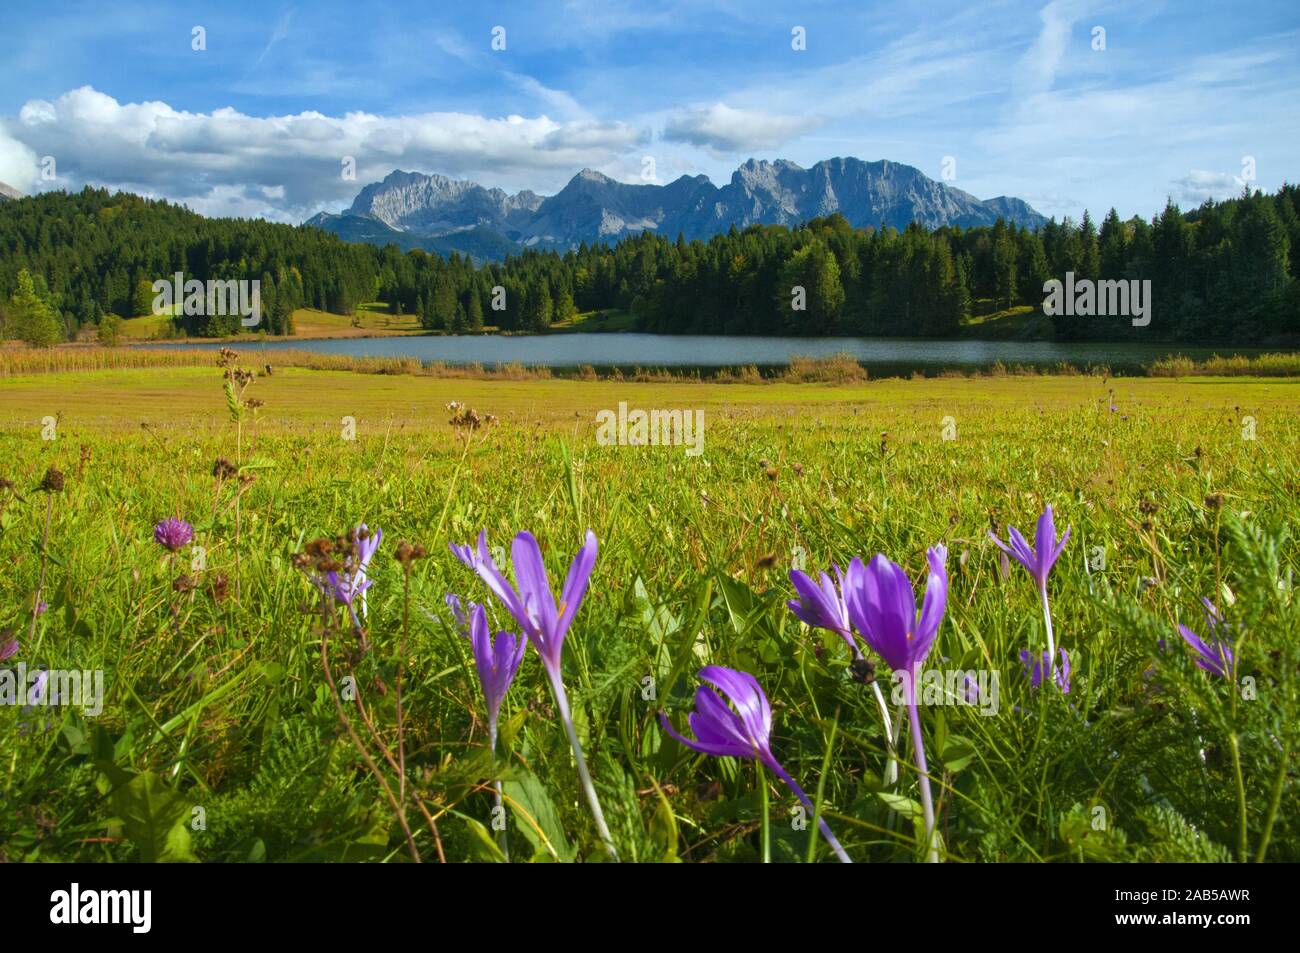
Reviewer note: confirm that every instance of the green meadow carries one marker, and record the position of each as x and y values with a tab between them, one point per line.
238	723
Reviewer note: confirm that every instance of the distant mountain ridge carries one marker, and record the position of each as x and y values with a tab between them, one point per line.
9	192
413	209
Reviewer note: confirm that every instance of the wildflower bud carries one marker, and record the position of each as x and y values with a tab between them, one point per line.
798	469
52	482
770	473
404	553
1214	501
183	583
223	469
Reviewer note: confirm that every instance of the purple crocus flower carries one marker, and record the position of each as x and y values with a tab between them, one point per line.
8	649
497	659
1040	557
533	606
883	609
1038	560
173	533
458	612
823	607
1214	656
545	624
745	732
1035	668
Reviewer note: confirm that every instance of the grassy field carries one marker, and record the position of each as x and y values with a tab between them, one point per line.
221	737
371	320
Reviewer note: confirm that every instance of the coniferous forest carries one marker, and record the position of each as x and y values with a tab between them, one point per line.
1224	273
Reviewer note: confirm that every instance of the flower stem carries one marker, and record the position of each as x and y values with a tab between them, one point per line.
923	773
1243	842
1051	641
502	835
562	702
891	769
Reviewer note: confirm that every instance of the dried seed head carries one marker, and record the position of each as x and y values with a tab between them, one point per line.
223	469
770	473
52	482
1214	501
219	586
767	561
864	670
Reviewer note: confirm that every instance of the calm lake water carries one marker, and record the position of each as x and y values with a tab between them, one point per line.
657	350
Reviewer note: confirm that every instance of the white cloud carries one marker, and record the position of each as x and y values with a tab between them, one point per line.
17	163
726	129
1043	59
1201	184
288	167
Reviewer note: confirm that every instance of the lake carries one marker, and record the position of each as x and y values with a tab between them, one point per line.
659	350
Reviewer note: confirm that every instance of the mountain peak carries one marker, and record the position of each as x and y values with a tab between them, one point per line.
9	192
593	207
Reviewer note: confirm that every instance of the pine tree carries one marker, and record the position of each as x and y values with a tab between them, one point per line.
33	320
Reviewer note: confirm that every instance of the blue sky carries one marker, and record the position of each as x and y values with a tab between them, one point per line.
262	120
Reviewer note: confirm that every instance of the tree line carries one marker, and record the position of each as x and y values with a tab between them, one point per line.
1225	272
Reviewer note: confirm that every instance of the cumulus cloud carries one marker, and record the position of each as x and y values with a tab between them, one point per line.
726	129
17	163
1201	184
288	167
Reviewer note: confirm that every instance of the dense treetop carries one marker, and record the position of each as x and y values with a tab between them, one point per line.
1223	273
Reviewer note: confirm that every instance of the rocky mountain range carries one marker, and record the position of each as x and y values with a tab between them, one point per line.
442	214
8	192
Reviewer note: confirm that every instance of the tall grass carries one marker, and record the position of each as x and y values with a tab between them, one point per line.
835	369
1264	365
